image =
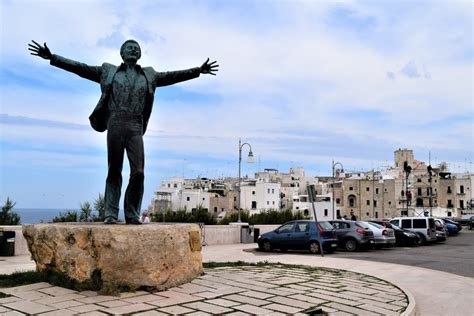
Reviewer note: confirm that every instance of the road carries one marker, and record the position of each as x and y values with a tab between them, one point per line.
456	255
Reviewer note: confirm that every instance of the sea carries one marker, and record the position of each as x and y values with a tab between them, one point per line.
43	215
38	215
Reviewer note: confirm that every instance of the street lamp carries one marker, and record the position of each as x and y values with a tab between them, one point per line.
249	160
334	164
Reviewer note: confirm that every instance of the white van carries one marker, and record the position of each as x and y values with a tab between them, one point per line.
423	226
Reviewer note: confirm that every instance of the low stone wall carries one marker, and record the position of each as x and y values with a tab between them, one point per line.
221	234
21	248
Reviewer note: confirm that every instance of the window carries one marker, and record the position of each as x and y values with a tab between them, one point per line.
461	204
338	201
351	188
385	190
215	209
169	185
203	199
273	202
419	202
461	189
419	191
376	214
449	190
389	202
268	202
404	213
175	185
235	199
306	212
419	223
402	193
287	228
188	198
254	205
450	214
376	190
368	202
302	227
351	202
450	203
325	212
268	191
222	209
406	223
253	192
375	205
419	180
273	191
367	189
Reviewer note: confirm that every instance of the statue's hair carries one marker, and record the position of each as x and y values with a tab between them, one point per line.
127	41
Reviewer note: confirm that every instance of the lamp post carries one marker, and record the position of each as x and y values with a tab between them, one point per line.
334	164
249	160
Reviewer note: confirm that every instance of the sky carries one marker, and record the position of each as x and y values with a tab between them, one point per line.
303	82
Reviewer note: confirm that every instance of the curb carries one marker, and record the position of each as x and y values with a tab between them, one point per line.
411	308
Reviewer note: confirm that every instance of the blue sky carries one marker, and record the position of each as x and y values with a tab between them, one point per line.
304	82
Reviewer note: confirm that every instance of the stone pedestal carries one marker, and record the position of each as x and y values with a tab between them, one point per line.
153	256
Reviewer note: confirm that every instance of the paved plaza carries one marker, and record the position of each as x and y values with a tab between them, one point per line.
339	286
234	290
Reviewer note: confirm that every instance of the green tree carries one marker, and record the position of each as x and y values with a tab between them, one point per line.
85	214
7	216
99	209
67	216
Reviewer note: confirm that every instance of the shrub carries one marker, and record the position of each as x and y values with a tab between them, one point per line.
7	216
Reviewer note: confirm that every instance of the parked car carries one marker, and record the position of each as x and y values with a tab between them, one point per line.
383	236
423	226
300	235
353	235
441	232
403	237
450	221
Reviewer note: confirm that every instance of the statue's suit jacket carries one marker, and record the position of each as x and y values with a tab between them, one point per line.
105	75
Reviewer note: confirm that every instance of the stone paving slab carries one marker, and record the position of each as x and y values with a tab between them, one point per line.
237	290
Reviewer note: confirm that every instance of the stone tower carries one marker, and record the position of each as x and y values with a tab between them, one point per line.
402	155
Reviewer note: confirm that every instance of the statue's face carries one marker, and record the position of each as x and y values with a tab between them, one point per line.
131	52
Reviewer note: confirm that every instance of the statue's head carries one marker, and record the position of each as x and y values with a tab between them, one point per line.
130	50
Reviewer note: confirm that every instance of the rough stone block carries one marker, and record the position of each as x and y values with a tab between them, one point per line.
153	256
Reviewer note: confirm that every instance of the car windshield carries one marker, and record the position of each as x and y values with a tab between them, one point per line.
375	225
326	225
362	225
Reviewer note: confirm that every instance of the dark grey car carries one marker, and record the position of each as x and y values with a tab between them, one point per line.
353	235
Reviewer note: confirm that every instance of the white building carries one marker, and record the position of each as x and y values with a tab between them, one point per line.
322	206
259	195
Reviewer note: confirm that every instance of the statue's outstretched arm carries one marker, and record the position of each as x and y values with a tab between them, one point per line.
85	71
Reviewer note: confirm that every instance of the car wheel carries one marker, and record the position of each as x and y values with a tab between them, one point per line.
422	239
350	245
314	247
266	245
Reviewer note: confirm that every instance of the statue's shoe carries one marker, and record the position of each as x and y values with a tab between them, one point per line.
109	221
134	222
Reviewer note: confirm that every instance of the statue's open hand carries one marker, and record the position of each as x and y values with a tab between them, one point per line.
39	50
209	68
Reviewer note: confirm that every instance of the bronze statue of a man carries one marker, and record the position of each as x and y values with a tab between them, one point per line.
123	110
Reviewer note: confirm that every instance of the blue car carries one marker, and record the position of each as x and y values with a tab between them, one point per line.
300	235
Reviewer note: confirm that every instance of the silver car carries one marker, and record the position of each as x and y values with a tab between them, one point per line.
384	237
